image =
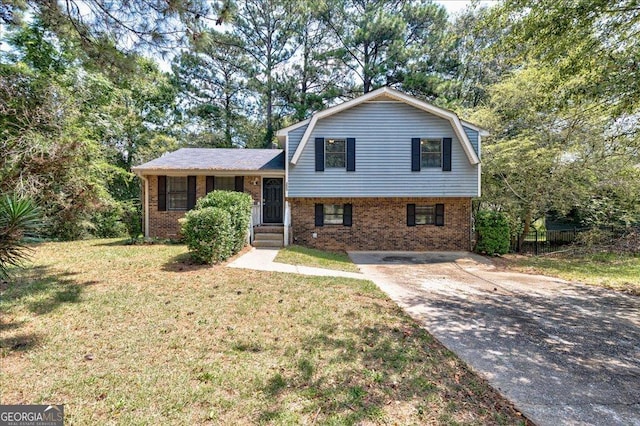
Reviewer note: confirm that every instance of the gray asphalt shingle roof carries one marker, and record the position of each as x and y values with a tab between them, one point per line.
217	159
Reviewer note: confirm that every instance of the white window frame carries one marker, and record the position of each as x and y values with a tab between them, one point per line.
331	217
423	153
425	214
174	195
331	141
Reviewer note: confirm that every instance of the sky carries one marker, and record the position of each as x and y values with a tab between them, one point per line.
455	6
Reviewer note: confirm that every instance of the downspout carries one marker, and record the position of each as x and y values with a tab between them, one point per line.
287	212
146	205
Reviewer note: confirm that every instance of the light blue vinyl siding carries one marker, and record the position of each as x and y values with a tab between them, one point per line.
473	138
295	137
383	133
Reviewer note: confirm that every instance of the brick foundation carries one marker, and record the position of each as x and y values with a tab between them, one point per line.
381	224
164	224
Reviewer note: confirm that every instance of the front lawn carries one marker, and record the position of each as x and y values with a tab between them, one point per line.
298	255
616	271
136	335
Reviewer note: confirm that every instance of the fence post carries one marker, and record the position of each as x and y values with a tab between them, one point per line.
536	246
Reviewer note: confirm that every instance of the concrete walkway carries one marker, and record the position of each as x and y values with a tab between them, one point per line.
563	353
262	259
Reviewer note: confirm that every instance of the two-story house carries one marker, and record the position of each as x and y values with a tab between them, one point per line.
384	171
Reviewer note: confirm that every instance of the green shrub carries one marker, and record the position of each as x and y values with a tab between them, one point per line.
19	218
238	204
106	221
208	234
493	233
132	218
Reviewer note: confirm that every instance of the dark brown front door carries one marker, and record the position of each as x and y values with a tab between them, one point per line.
272	197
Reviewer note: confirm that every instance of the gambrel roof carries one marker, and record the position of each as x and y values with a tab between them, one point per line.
387	93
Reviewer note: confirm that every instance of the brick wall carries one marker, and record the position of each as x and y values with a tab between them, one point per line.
164	224
381	224
251	189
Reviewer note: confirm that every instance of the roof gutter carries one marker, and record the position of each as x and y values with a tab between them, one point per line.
207	172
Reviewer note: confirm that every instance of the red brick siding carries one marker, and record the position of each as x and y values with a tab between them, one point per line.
381	224
164	224
251	189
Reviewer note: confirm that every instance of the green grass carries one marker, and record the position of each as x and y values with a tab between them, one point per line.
297	255
137	335
615	271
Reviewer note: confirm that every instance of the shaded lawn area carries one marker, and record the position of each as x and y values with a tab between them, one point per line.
297	255
135	335
616	271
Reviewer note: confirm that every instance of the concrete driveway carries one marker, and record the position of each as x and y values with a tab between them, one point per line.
563	353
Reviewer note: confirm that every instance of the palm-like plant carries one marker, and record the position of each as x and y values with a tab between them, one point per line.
19	218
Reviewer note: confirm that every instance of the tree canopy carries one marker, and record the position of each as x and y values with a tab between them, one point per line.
90	88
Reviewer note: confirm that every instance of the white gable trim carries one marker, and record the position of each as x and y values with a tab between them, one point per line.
286	130
439	112
472	126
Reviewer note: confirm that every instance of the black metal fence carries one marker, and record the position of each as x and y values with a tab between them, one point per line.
540	242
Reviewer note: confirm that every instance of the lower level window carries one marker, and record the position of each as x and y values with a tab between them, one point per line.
333	214
176	193
425	214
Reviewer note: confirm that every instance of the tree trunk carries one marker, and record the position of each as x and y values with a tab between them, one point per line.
525	230
269	136
228	116
366	72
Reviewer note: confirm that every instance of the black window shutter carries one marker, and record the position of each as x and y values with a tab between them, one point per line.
415	154
239	183
347	217
211	183
319	215
411	215
439	214
446	154
351	154
191	192
319	154
162	193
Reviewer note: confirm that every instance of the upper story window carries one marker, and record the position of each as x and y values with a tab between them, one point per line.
176	193
430	152
335	153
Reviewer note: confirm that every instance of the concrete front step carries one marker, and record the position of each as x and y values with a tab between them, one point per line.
268	229
268	243
266	236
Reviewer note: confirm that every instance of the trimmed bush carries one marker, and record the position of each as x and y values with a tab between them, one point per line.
209	234
238	204
493	233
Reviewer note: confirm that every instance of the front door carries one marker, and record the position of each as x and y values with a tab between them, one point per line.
272	200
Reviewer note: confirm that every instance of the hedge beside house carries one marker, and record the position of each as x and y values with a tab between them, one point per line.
493	235
217	227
